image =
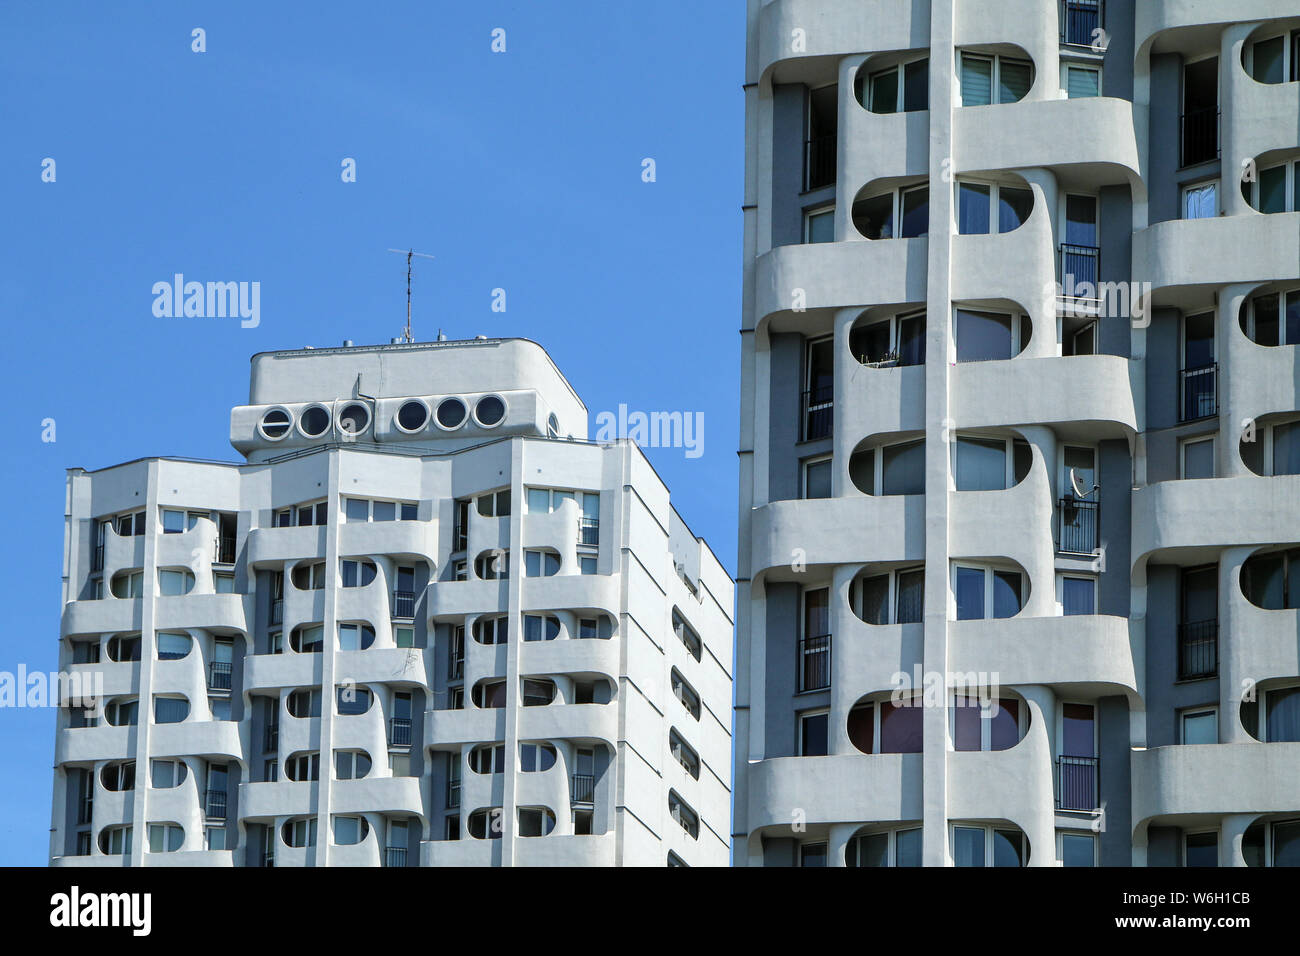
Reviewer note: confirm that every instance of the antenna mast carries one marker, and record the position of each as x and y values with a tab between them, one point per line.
409	253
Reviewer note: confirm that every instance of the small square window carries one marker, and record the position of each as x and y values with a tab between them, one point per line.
1200	726
587	564
819	225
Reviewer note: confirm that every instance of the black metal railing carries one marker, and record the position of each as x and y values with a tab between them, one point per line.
277	611
1198	649
226	549
814	662
1080	21
271	739
1076	266
819	161
219	675
456	666
399	731
453	794
1078	783
1198	392
1080	520
97	562
404	604
583	788
214	804
1199	136
395	856
588	530
816	412
459	538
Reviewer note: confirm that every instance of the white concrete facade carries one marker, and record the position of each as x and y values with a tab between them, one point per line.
918	173
404	632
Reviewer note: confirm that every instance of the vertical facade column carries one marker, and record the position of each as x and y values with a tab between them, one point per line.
148	654
514	689
329	659
935	849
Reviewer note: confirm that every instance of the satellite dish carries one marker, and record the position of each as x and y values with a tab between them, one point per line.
1079	491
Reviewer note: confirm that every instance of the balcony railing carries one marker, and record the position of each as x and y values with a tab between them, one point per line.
97	561
1199	136
404	604
85	809
814	662
1080	21
1198	392
453	794
1079	523
816	413
1078	783
214	804
456	666
819	161
271	739
588	530
219	675
399	732
277	611
583	788
226	549
1077	265
395	856
1198	650
459	538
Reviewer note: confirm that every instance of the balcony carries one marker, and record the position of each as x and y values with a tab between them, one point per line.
1079	270
225	549
404	605
1198	136
816	413
814	663
1080	19
1198	650
214	804
399	732
819	161
582	788
1078	525
1078	783
588	531
395	856
219	675
1198	393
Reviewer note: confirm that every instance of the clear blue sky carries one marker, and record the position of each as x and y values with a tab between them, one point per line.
519	170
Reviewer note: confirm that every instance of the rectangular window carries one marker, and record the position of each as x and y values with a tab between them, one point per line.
1198	458
1082	81
1201	201
817	478
915	217
1200	726
819	224
1267	58
814	734
973	209
1201	849
981	464
1078	849
976	80
1270	190
902	469
1078	596
985	336
813	854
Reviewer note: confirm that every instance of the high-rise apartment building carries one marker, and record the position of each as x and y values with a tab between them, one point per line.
1020	439
426	622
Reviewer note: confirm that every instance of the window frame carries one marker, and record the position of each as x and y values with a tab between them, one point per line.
1202	710
1094	68
990	569
1182	455
814	212
900	87
1214	182
995	77
994	187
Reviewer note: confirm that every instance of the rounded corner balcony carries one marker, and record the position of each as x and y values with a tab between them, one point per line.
1169	782
830	275
1094	135
1045	390
1248	248
812	529
831	789
1060	651
1242	511
790	31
